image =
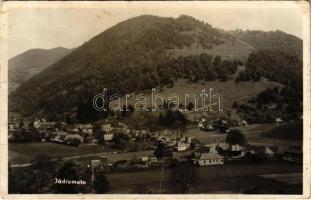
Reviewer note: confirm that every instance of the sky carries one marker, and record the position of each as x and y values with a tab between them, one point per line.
47	25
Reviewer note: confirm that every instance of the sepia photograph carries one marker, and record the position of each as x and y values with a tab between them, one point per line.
174	97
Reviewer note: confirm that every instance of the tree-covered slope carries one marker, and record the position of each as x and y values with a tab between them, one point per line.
276	65
27	64
132	56
272	40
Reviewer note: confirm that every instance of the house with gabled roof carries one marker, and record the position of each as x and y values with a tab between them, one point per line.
209	159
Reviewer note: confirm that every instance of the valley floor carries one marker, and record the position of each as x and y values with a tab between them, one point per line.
22	153
231	178
267	178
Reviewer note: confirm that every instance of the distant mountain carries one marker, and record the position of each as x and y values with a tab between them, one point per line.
272	40
27	64
135	55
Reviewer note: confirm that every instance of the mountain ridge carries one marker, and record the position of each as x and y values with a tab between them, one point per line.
277	39
131	56
29	63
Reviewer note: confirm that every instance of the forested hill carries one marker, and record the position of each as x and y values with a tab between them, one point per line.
131	56
27	64
272	40
135	55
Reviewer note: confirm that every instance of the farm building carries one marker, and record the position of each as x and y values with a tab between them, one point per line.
278	120
243	123
58	136
181	146
107	128
210	159
252	149
108	137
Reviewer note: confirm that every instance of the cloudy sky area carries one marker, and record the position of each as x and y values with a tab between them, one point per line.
48	26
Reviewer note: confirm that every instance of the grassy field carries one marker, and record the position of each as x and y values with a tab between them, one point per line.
24	152
218	179
254	134
290	131
19	158
228	50
229	90
269	178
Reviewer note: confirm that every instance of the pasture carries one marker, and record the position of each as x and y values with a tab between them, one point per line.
24	152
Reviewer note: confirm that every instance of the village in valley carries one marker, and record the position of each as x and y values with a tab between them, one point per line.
112	146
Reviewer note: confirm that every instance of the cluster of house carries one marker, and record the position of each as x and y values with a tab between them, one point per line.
220	125
59	132
109	131
223	125
189	149
206	155
175	140
217	154
72	134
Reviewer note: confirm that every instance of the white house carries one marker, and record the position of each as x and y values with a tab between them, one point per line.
260	150
75	130
145	158
200	125
85	128
11	127
236	147
108	137
36	123
210	159
278	120
188	140
107	127
269	152
243	123
96	164
181	146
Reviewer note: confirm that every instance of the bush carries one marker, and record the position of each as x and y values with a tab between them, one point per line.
235	136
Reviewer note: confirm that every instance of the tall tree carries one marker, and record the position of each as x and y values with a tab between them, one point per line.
162	150
235	136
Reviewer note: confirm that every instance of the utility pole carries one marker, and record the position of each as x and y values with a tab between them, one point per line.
93	181
39	182
162	170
